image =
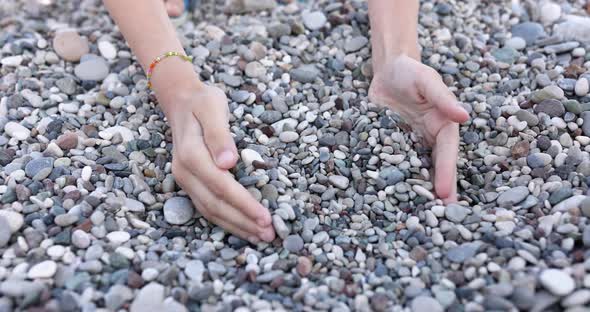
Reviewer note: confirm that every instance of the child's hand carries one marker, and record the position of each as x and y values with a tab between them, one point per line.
201	138
419	95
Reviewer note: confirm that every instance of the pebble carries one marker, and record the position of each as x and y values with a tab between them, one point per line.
95	69
512	196
69	45
107	49
314	20
338	181
249	156
557	282
45	269
17	131
356	43
582	87
456	213
178	210
80	239
293	243
424	303
550	12
118	237
5	233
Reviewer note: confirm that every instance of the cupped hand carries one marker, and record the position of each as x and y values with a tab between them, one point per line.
203	151
419	95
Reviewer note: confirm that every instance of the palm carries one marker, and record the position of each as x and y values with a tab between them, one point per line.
417	93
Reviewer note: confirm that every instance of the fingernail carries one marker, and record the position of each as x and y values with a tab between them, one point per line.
224	157
267	235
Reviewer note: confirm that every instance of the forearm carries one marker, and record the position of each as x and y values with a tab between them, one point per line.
149	32
394	29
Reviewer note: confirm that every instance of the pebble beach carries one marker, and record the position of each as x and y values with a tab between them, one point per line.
91	218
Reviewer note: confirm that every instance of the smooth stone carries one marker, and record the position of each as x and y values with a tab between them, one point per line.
314	20
194	270
45	269
339	181
570	203
575	28
548	93
15	220
17	131
515	43
305	73
557	282
582	87
5	233
255	70
462	252
125	133
293	243
249	156
529	31
107	49
505	55
356	43
118	237
95	69
550	12
424	303
288	136
40	168
69	45
80	239
178	210
551	107
149	298
512	196
13	61
456	213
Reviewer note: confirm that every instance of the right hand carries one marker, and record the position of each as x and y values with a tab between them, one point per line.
203	151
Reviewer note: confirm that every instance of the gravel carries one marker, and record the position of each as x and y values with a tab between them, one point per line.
91	217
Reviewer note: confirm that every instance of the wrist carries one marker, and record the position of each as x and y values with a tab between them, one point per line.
384	52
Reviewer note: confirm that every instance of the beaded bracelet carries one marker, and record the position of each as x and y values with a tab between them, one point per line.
159	59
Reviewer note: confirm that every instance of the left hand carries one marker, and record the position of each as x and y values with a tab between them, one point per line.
419	95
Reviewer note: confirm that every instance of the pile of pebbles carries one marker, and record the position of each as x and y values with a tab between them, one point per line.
91	218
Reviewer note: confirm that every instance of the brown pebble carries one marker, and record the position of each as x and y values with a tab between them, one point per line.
304	266
67	141
520	149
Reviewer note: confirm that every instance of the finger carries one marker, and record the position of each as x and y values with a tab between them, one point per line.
219	211
445	161
218	138
437	93
221	182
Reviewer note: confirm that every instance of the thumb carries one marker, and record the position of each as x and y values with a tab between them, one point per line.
218	138
438	94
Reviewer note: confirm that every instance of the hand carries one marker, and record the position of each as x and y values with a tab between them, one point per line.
199	123
418	94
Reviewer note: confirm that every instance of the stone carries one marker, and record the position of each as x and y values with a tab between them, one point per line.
304	266
45	269
125	133
461	253
118	237
516	43
107	49
194	270
288	136
586	125
512	196
547	93
582	87
5	233
255	70
67	141
293	243
13	61
95	69
356	43
557	282
424	303
538	160
505	55
551	107
40	168
149	298
69	45
550	12
585	206
314	20
17	131
456	213
178	210
575	28
246	6
529	31
339	181
15	220
305	73
117	296
249	156
80	239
